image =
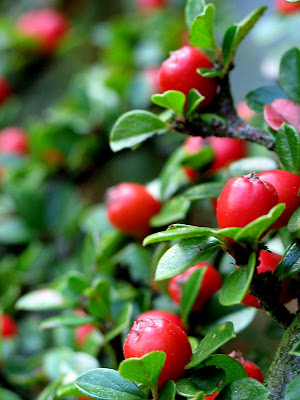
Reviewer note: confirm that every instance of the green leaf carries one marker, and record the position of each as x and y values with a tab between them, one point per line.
202	30
237	284
172	211
193	8
288	147
294	224
168	391
181	231
193	100
13	231
135	127
8	395
290	74
74	284
200	159
258	98
296	350
190	292
43	299
247	165
247	388
202	191
99	299
211	342
68	389
205	381
107	384
208	73
184	255
49	393
293	389
145	370
227	45
123	321
70	321
290	263
172	99
253	231
232	368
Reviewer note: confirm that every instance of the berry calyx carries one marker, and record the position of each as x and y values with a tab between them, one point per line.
287	186
161	314
46	26
252	370
148	335
13	140
179	72
8	327
284	7
211	283
5	90
243	199
130	207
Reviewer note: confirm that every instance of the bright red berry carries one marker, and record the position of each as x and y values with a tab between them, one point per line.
211	283
179	72
243	199
5	90
284	7
13	140
212	396
268	262
46	26
252	370
287	186
130	207
8	327
161	314
83	332
150	5
148	335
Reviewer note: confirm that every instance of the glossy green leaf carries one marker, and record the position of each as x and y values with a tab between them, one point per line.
227	45
204	381
211	342
247	388
168	391
145	370
107	384
99	299
237	284
201	159
296	350
190	292
43	299
293	389
253	231
123	322
193	100
202	191
172	211
256	99
202	29
193	8
294	224
184	255
290	74
288	147
290	263
135	127
172	99
71	321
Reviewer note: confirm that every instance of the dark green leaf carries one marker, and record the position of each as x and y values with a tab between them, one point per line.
227	45
204	381
201	159
123	321
256	99
70	321
193	100
202	191
288	147
135	127
193	8
172	211
190	292
290	74
107	384
184	255
237	284
293	389
43	299
253	231
296	350
290	264
247	388
145	370
172	99
211	342
74	284
202	29
168	391
99	299
294	224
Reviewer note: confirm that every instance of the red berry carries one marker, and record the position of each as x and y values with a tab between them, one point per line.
150	5
5	90
8	327
243	199
151	75
83	332
212	396
130	207
46	26
13	140
179	72
268	262
211	283
285	7
252	370
244	112
287	186
148	335
161	314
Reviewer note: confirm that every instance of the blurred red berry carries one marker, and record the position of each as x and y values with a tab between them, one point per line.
13	140
8	327
252	370
244	112
284	7
212	396
150	5
5	90
83	332
152	78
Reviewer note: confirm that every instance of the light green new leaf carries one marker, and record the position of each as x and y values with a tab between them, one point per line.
193	8
172	99
202	29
